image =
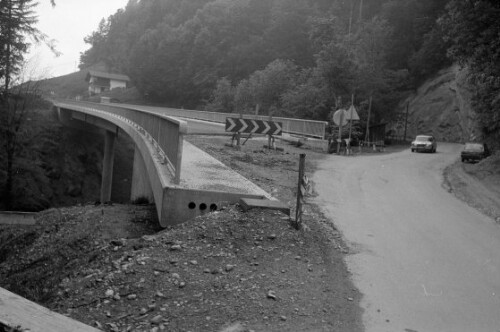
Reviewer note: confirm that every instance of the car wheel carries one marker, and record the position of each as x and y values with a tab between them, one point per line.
412	150
463	160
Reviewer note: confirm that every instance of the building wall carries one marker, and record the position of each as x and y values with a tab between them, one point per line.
113	84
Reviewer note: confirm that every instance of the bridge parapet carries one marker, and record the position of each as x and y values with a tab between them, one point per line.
310	128
166	133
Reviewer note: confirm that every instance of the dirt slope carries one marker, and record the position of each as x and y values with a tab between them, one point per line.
108	267
477	184
441	107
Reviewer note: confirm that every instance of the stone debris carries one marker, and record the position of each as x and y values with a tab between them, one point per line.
236	327
175	247
109	293
117	243
160	268
271	295
157	319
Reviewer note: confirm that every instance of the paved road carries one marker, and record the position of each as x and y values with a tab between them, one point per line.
424	260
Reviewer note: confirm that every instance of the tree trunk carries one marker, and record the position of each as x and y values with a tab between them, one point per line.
8	49
10	179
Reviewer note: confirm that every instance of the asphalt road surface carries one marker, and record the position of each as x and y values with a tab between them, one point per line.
423	260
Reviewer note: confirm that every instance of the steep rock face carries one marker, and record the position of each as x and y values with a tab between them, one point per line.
441	107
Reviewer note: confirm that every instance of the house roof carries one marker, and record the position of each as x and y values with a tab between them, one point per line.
111	76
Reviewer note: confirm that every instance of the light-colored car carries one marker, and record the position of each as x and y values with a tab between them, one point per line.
424	143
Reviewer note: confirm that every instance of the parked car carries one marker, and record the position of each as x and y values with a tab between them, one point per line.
424	143
474	152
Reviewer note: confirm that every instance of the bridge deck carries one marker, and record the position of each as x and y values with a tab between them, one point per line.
200	171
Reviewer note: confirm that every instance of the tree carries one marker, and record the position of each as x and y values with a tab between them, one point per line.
223	97
411	22
17	23
472	28
264	88
431	57
307	99
97	40
17	106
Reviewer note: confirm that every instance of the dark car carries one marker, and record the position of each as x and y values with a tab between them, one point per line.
424	143
474	152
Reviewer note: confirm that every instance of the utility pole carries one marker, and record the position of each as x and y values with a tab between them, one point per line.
367	136
406	120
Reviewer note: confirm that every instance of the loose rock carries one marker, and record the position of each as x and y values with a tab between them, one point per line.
271	295
175	247
157	319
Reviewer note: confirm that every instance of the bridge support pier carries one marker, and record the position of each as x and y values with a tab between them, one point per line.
141	187
107	167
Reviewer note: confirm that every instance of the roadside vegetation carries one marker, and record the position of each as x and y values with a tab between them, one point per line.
300	58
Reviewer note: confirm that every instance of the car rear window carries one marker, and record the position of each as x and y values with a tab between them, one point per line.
474	147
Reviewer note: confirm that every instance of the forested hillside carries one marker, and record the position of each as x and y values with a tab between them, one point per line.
300	58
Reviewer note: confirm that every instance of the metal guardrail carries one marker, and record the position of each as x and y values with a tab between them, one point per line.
165	132
311	128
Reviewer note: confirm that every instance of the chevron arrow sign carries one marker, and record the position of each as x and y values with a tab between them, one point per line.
253	126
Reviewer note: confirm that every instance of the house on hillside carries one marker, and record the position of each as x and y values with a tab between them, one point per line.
100	82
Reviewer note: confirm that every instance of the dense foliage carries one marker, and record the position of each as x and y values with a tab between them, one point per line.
473	30
16	25
284	57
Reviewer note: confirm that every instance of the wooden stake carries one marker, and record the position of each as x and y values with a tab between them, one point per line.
298	207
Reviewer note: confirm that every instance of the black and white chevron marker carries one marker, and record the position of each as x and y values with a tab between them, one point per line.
253	126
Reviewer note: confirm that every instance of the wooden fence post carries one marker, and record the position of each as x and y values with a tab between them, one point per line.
302	187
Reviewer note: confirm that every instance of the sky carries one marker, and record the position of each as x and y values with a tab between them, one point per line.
68	23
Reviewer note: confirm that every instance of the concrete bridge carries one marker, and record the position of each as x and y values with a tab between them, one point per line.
182	180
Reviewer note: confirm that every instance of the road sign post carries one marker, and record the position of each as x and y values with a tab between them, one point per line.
352	116
252	126
340	119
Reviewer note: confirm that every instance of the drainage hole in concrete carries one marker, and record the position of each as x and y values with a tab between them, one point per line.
191	205
213	207
203	206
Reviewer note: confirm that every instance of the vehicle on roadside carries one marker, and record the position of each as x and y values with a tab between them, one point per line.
424	143
474	152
